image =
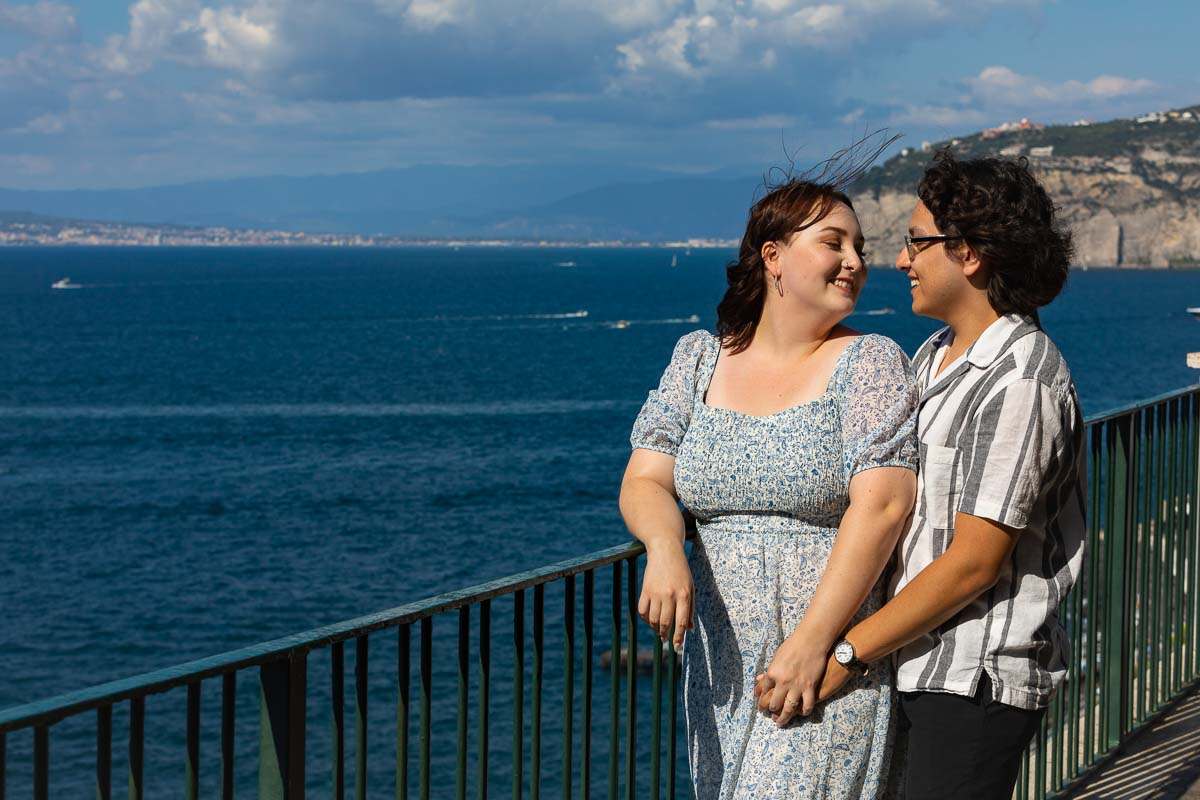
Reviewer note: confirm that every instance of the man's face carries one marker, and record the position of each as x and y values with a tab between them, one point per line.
937	281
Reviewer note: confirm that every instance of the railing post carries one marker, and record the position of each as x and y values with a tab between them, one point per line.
1122	493
192	768
282	686
137	746
41	762
228	718
103	753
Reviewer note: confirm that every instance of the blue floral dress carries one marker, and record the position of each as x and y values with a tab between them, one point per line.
768	494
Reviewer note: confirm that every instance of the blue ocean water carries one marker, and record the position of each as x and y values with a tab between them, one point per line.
202	449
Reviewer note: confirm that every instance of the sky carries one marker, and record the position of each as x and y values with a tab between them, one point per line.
112	93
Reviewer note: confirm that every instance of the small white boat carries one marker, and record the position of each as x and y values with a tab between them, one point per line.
1194	311
621	323
564	263
65	283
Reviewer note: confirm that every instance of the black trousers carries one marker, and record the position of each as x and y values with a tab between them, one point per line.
963	748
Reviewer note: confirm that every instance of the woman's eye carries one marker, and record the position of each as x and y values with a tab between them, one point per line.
834	245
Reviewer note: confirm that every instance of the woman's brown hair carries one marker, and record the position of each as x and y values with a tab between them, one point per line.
788	207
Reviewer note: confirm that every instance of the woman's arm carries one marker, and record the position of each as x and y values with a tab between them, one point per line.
651	512
968	568
880	502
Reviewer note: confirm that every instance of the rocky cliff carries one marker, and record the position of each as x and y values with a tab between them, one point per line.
1129	189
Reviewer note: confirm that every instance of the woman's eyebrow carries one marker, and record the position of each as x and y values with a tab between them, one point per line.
842	232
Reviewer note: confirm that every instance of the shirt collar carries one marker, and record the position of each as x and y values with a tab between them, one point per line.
994	340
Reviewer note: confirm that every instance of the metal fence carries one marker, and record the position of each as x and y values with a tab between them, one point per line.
470	713
1132	617
429	759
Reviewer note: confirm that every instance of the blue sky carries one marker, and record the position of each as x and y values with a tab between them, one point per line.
112	93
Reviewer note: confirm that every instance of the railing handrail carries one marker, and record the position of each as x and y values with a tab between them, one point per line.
1119	411
52	709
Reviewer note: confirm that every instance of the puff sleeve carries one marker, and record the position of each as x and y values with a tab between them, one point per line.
667	412
879	408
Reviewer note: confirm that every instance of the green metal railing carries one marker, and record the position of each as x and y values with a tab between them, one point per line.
1132	616
1132	623
285	667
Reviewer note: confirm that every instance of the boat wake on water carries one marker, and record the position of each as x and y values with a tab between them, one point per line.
581	314
625	323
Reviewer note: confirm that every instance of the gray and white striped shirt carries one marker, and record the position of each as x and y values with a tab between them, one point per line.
1001	438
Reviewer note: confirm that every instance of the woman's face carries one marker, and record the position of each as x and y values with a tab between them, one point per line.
822	267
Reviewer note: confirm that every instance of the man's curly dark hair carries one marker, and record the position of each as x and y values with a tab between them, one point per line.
1005	215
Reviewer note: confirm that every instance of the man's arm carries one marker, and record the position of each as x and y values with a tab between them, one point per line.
969	567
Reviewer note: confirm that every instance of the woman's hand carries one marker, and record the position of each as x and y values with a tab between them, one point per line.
667	593
835	678
793	679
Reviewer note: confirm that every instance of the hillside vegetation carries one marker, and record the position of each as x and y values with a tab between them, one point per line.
1129	188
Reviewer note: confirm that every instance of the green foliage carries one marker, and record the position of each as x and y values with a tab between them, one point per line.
1119	138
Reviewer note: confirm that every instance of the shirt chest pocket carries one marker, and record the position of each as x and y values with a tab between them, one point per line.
943	476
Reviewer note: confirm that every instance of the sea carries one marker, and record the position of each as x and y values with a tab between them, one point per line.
202	449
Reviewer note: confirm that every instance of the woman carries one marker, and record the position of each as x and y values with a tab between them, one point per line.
790	437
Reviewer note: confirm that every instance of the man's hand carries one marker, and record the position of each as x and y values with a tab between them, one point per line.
835	678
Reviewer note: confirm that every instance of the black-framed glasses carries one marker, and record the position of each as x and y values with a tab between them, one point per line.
911	241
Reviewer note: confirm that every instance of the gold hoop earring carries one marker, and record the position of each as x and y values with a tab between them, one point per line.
778	286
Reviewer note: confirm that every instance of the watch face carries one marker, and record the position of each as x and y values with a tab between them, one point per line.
844	652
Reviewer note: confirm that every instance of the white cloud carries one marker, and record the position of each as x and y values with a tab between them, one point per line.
706	38
297	85
157	29
947	117
1000	85
1111	86
236	40
27	164
45	19
999	93
763	122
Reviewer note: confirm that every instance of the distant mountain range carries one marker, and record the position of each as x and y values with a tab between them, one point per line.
1130	189
527	202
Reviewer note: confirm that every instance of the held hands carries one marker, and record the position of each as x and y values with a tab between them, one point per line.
792	679
787	689
667	594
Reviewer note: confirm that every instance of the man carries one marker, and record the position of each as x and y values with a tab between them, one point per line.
996	538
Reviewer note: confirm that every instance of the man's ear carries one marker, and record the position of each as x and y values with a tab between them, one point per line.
971	263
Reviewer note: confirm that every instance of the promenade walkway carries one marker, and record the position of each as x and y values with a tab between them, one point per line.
1160	763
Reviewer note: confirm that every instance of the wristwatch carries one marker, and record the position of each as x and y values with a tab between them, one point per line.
843	653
